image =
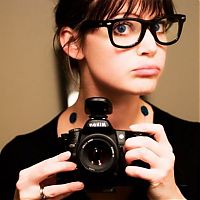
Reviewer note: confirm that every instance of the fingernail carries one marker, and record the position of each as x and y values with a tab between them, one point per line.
68	153
80	185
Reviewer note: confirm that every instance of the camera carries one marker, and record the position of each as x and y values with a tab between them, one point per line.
97	149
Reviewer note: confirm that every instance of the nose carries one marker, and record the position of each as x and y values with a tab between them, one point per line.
148	45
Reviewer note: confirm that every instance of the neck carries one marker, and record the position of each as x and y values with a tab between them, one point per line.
126	110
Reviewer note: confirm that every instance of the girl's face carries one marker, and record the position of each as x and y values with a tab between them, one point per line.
133	71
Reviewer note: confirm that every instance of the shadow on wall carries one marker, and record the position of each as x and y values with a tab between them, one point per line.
63	81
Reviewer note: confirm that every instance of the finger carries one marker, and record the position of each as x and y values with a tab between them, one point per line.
155	130
151	175
47	170
143	154
59	158
141	141
63	190
148	143
40	171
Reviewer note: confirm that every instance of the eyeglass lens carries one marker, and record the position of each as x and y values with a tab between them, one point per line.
127	32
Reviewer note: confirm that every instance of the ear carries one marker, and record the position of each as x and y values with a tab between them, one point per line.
70	46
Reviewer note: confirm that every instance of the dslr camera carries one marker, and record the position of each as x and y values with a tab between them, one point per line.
97	149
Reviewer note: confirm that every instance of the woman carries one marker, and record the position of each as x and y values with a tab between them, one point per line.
118	49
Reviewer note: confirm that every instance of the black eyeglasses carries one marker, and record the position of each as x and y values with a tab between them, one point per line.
129	32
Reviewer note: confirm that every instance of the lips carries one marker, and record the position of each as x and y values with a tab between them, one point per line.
146	71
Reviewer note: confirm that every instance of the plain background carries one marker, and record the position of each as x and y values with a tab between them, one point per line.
30	86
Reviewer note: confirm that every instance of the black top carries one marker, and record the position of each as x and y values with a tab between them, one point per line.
25	150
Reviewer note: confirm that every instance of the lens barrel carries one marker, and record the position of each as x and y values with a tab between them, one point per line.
98	153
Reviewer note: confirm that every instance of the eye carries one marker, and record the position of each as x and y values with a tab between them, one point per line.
158	27
123	28
162	26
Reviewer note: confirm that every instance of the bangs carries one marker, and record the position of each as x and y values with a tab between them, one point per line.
107	9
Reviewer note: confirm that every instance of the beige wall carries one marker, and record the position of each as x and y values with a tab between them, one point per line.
178	91
28	76
199	59
30	90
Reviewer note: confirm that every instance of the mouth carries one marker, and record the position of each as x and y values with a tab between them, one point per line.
146	71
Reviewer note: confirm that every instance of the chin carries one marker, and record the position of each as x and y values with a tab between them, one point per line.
145	93
148	91
149	86
144	89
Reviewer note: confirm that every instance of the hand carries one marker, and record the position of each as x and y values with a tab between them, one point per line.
30	179
158	153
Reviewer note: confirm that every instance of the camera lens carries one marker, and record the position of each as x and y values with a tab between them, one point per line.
98	153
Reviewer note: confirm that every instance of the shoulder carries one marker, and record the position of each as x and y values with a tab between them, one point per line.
171	122
24	151
184	136
180	132
35	146
37	136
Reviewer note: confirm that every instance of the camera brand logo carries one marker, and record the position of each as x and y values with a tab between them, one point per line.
97	124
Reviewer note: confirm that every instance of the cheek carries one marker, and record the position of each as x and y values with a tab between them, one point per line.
109	65
101	56
162	56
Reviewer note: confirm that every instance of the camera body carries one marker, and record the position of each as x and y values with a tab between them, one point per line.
97	148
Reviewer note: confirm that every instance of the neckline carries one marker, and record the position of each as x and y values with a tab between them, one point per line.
154	109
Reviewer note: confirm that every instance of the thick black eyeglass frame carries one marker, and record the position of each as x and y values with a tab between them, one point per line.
146	24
